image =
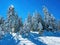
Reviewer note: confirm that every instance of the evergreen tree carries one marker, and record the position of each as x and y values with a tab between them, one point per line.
34	22
1	27
29	20
36	18
1	32
13	19
49	19
26	28
46	17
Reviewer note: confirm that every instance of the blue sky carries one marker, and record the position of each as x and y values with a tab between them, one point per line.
22	7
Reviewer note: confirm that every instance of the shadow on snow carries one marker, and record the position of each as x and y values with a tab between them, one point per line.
8	39
33	38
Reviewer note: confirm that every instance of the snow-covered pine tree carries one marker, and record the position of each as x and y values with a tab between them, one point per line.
29	20
1	27
49	19
36	18
1	31
53	23
27	25
26	28
20	26
34	22
13	19
46	16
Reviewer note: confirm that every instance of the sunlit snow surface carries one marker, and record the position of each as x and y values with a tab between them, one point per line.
50	40
33	39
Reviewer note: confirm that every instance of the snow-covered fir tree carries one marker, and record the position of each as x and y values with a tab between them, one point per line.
46	17
20	25
49	19
26	28
1	31
36	18
34	22
29	20
1	27
13	20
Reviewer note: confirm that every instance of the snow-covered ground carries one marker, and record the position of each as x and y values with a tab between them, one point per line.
22	40
50	40
33	39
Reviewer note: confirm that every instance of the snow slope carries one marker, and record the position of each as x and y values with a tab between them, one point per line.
33	39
